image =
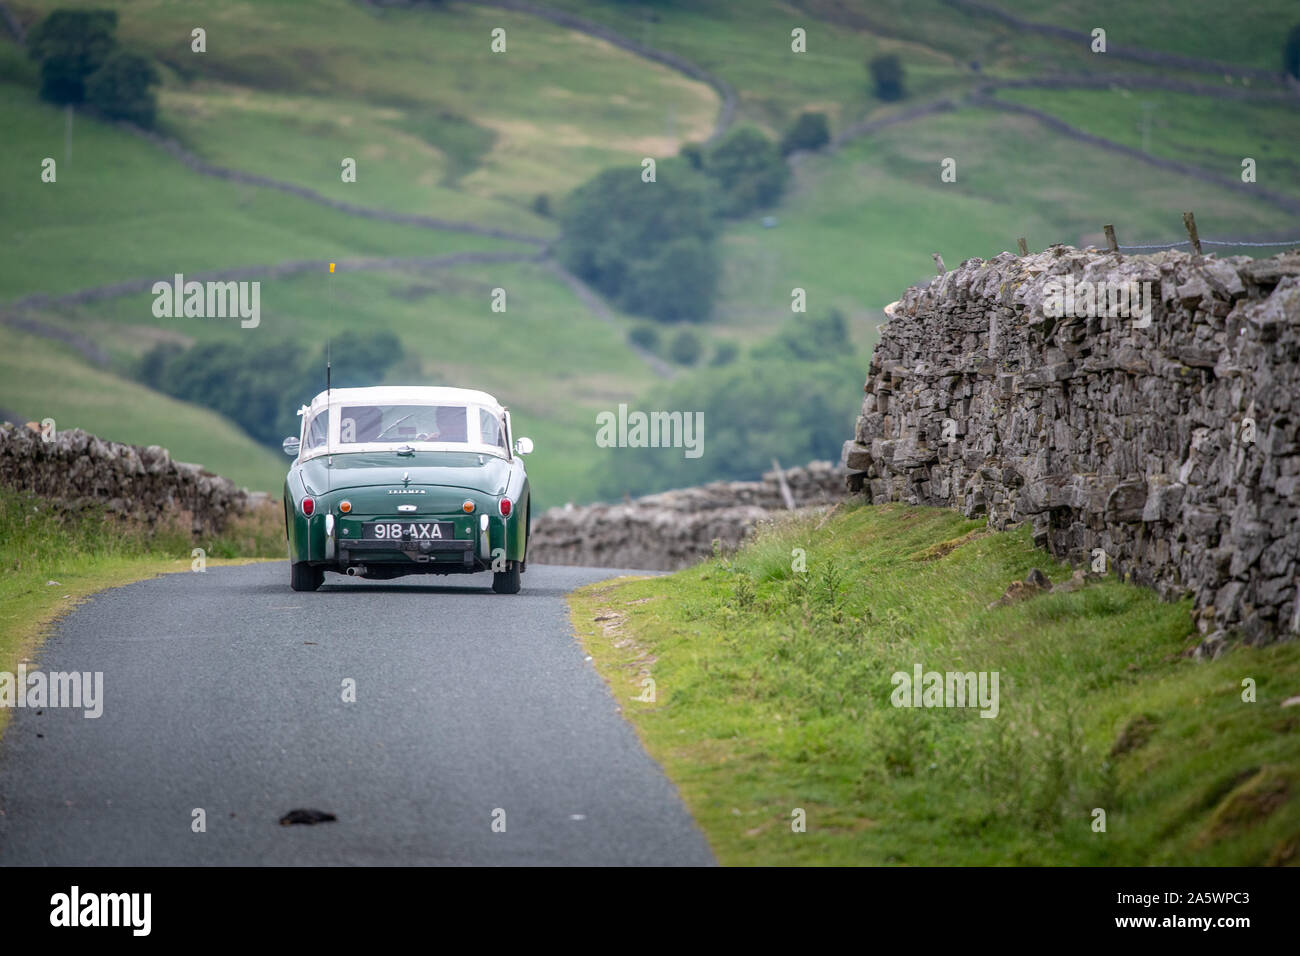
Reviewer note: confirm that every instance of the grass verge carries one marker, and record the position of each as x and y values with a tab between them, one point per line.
772	692
51	560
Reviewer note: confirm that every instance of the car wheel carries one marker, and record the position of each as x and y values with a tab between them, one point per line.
506	582
303	577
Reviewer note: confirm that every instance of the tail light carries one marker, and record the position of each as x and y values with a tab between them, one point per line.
345	506
506	507
308	506
468	507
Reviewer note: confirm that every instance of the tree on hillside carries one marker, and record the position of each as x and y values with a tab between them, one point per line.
1291	53
122	88
634	240
749	168
724	353
887	74
71	45
675	284
685	348
260	386
645	337
359	359
806	339
811	131
244	382
754	411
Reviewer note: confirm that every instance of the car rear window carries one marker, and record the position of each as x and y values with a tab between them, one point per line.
403	423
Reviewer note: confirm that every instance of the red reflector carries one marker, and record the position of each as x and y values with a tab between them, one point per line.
308	506
505	507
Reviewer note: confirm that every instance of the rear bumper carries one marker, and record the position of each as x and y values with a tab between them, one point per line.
336	542
448	556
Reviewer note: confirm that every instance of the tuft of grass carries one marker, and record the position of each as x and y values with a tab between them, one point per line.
51	558
774	686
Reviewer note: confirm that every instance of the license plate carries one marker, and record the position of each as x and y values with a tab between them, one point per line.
408	530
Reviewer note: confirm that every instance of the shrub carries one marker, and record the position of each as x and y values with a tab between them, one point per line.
645	245
754	410
750	170
645	336
806	339
1291	53
122	88
724	353
71	45
677	284
811	131
260	386
685	348
693	154
887	74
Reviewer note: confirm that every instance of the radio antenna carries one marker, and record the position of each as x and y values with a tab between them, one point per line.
329	412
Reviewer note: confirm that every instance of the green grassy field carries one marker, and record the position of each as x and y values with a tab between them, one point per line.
773	689
859	225
753	53
1249	34
1212	134
123	209
415	95
441	126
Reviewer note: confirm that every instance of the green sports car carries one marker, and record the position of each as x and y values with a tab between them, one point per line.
396	480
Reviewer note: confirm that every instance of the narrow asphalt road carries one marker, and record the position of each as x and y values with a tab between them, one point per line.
223	692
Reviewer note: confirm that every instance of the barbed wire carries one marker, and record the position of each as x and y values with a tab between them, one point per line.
1213	242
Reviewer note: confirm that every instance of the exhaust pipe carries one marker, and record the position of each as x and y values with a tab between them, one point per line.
356	571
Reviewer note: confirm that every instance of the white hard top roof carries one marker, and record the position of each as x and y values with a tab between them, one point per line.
407	395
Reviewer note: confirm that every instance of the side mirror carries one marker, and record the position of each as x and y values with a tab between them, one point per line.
523	446
291	446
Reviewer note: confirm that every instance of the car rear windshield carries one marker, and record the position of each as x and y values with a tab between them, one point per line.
403	423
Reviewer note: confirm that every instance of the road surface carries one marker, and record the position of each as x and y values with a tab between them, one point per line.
223	692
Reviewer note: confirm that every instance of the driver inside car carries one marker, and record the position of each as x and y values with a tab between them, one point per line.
442	423
427	423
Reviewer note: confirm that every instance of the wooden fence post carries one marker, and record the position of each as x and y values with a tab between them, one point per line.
1190	222
786	495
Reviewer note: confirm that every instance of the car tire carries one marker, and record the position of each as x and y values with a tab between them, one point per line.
506	582
303	577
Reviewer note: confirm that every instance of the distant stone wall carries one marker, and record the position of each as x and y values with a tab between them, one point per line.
674	529
1173	448
79	470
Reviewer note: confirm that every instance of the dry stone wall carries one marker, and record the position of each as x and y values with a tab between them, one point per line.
1166	445
674	529
79	470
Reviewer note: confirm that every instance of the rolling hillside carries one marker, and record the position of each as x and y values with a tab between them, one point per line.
465	140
